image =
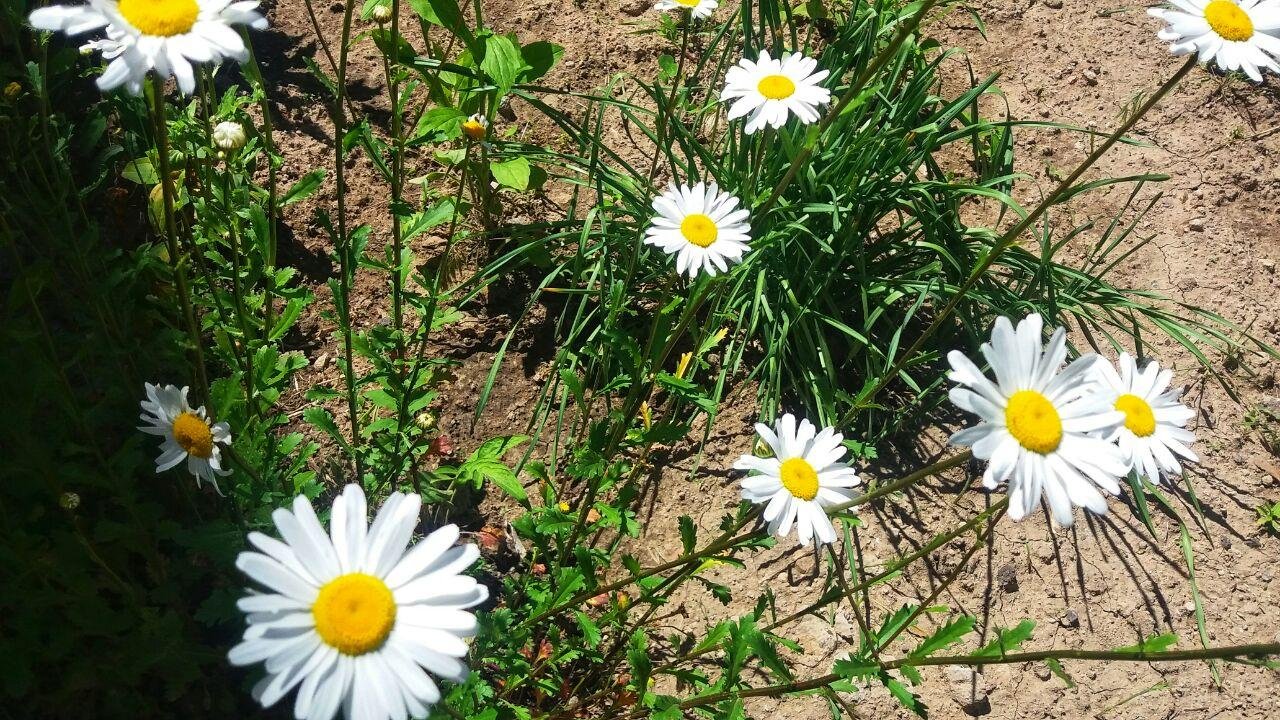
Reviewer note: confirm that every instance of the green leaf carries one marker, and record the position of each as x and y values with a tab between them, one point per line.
688	534
1007	640
486	464
539	57
512	173
304	188
1056	668
1155	644
141	172
946	635
447	15
590	631
502	61
322	420
903	695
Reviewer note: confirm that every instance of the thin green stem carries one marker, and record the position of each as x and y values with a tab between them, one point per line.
156	97
273	194
855	89
345	259
1013	234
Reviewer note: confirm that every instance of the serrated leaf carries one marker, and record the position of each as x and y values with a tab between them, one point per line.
688	534
949	634
1153	644
1007	640
1056	668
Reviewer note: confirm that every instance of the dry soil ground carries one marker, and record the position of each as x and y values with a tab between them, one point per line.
1100	585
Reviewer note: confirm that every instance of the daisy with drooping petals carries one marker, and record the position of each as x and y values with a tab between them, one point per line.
702	226
350	618
803	477
773	90
1242	35
699	9
1153	432
1038	424
162	35
186	432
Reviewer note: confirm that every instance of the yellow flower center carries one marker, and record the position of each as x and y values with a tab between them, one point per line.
699	229
776	87
1033	421
1138	416
160	17
688	3
799	478
473	129
193	435
354	613
1228	20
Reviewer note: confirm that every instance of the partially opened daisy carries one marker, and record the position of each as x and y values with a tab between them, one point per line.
355	618
187	433
699	9
803	477
1238	35
166	36
773	90
1036	422
703	227
1153	433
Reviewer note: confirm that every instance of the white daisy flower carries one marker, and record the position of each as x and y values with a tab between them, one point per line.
699	9
350	618
161	35
1238	35
1153	432
702	226
186	432
1037	422
772	90
475	127
803	477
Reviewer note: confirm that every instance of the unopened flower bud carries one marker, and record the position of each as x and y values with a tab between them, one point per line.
13	90
69	501
381	14
425	420
228	136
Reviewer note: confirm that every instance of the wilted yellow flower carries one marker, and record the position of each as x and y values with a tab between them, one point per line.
684	364
646	416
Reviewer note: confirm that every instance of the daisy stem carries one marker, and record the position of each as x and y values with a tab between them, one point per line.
348	263
1060	194
397	182
666	113
855	89
156	97
269	144
1225	652
905	482
993	513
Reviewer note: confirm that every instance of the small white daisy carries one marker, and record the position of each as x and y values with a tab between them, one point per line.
1153	432
1037	422
700	9
702	226
161	35
803	477
772	90
350	618
475	127
1239	36
186	432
